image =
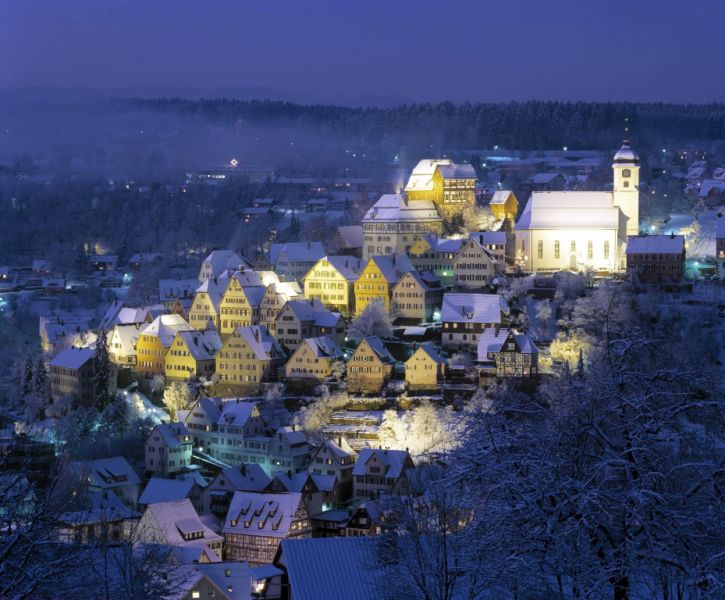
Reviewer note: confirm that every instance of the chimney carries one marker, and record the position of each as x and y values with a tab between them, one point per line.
244	469
294	427
196	340
289	474
256	333
339	441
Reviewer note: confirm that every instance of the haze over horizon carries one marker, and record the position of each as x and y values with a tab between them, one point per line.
367	54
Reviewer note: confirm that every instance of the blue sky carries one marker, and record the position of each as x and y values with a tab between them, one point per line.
369	51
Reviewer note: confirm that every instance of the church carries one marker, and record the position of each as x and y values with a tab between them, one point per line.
579	230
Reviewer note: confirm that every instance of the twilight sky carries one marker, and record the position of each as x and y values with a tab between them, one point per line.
369	51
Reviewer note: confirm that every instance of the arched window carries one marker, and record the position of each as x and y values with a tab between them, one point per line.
590	250
606	250
557	249
540	249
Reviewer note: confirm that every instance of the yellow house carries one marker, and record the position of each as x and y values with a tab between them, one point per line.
450	186
249	356
504	205
154	342
192	355
425	369
205	306
435	254
239	306
376	280
275	297
332	281
314	359
417	296
369	367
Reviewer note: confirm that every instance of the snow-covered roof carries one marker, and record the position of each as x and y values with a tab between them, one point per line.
425	279
236	412
655	244
165	327
222	260
430	349
339	451
297	251
159	489
348	266
377	346
143	258
625	155
473	308
234	579
127	337
437	244
389	267
247	477
488	237
708	185
501	197
213	290
258	514
314	311
177	518
95	507
264	346
332	568
491	340
72	358
323	347
570	210
173	289
295	437
202	345
393	461
173	434
544	178
107	473
396	208
421	178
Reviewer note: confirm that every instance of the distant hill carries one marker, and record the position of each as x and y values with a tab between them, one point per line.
531	125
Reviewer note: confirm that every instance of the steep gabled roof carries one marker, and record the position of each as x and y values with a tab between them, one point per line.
264	346
72	358
394	461
202	345
324	347
259	514
159	489
165	327
377	346
473	308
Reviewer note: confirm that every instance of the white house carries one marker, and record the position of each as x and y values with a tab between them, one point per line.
168	449
466	316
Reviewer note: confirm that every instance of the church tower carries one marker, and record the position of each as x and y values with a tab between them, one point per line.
626	185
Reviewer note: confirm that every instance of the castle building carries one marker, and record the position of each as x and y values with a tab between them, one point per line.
393	224
576	230
451	187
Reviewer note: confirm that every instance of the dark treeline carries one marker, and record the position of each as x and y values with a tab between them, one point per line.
531	125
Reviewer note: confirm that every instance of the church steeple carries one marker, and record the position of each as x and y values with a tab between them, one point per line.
625	167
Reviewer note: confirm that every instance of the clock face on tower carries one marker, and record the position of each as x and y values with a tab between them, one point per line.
626	173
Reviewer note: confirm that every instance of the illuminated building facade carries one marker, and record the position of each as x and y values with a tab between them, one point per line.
451	187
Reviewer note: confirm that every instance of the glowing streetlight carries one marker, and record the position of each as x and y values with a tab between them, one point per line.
234	162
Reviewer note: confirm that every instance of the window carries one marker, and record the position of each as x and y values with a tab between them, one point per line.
606	250
590	249
540	249
573	246
556	249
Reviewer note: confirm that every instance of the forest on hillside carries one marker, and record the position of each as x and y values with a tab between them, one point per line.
531	125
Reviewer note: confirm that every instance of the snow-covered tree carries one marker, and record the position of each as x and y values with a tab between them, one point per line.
312	417
273	409
178	396
116	417
41	383
374	320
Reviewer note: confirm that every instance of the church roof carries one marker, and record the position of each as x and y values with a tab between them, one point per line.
570	210
625	155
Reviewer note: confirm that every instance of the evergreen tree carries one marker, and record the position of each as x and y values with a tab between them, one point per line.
41	386
102	373
26	383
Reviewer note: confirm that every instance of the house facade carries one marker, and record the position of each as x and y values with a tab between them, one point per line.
331	281
370	367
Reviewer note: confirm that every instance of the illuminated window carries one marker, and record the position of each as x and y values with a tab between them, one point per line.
606	250
556	249
590	249
573	246
540	249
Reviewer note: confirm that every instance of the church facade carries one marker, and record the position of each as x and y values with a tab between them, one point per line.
575	230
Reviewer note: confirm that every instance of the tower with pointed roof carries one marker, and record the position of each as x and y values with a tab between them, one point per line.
626	185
